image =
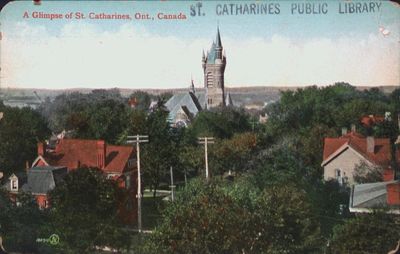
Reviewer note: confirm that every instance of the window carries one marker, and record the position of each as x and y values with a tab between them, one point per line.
131	163
128	182
14	184
209	79
340	176
46	203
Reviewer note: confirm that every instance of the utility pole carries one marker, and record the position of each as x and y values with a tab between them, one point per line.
206	141
185	178
137	139
172	184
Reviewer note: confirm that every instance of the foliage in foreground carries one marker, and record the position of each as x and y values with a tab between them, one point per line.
221	217
368	233
21	225
84	212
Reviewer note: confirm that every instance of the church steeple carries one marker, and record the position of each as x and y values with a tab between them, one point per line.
218	43
214	67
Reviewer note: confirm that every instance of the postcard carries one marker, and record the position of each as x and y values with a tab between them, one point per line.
199	126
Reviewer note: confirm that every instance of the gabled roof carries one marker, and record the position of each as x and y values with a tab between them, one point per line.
188	102
41	180
70	152
365	197
335	146
21	180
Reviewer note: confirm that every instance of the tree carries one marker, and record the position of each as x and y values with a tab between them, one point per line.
20	131
217	217
101	114
84	212
232	154
143	100
221	122
21	225
161	152
366	173
368	233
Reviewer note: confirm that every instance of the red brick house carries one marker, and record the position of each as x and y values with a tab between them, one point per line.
38	181
117	162
342	154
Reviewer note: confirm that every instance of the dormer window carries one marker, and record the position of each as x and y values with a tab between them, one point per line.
14	183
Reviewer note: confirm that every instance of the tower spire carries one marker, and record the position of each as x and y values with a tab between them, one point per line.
192	85
218	43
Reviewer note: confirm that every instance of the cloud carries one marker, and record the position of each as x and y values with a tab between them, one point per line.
132	57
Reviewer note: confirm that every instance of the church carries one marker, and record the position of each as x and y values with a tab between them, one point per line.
183	107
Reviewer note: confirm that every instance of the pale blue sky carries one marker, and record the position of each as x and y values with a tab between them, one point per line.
295	49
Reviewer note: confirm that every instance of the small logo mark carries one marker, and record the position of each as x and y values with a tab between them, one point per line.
54	239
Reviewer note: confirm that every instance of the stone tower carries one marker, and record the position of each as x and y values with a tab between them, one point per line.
214	68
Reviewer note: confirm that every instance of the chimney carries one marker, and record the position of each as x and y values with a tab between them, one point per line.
41	148
393	193
344	131
101	154
27	166
353	128
370	144
388	174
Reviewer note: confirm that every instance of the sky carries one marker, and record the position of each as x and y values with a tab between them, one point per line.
279	49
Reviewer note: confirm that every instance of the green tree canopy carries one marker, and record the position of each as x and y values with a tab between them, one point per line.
368	233
21	225
221	122
218	217
20	131
84	212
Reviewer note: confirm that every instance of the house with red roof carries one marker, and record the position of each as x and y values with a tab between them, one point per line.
37	181
341	155
118	162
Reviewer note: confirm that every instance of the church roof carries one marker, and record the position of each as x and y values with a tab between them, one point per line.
188	100
212	54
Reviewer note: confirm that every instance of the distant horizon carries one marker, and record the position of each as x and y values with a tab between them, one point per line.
196	87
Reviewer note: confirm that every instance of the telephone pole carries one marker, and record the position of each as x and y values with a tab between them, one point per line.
137	139
172	184
206	141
